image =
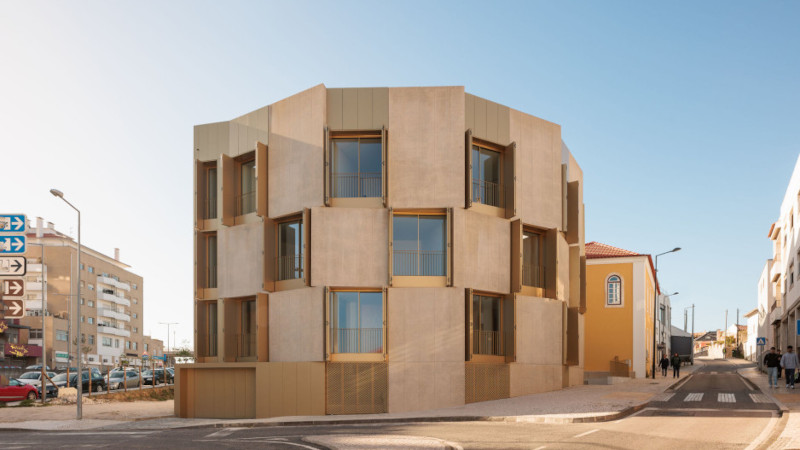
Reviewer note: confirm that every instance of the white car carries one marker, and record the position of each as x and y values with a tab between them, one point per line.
34	378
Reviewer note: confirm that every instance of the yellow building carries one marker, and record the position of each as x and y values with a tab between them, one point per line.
620	290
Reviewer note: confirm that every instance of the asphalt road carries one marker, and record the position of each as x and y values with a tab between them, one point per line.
668	424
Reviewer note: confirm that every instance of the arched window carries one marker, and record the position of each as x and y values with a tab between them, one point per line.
614	291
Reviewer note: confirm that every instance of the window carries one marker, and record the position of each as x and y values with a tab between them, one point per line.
290	250
135	316
35	333
356	167
91	339
91	320
128	345
791	274
486	315
532	259
246	198
147	346
91	287
486	177
83	318
247	337
61	335
614	291
106	341
91	269
82	266
91	304
116	343
356	322
136	346
135	286
663	315
135	301
135	329
211	261
210	203
419	245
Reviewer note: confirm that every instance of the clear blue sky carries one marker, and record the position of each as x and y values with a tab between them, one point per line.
683	115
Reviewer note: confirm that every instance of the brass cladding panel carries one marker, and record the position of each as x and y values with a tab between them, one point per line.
486	382
357	388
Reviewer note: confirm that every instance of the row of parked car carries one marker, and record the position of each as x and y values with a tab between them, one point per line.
29	384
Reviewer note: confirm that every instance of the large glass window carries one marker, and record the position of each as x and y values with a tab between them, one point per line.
486	180
211	193
356	167
614	291
247	188
487	322
290	250
247	338
356	322
211	262
532	259
419	243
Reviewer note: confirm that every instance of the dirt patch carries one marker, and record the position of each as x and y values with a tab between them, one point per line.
158	394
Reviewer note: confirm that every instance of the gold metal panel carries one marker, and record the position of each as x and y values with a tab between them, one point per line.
350	108
468	323
486	382
357	388
516	255
307	246
269	255
380	107
510	326
335	109
468	159
261	179
510	179
491	121
228	198
364	113
573	212
573	337
469	110
262	326
326	169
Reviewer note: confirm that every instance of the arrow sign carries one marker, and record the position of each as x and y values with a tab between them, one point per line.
13	266
12	223
15	309
12	244
14	288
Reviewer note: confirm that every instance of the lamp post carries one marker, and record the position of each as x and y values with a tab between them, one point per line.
655	306
79	379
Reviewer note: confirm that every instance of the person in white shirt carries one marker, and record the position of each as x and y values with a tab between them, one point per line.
789	363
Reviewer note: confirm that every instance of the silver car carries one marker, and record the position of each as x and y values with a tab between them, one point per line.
117	379
34	378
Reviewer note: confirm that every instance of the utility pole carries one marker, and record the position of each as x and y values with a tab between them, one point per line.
168	324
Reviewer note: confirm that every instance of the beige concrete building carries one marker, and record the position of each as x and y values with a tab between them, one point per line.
368	250
111	302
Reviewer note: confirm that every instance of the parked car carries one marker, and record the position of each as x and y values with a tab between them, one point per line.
171	371
17	390
117	379
52	391
60	380
98	382
37	367
34	378
94	370
160	375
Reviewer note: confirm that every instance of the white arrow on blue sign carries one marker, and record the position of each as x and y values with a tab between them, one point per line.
12	223
12	244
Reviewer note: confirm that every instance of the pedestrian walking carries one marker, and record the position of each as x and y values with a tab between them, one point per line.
664	363
676	366
780	354
773	362
789	363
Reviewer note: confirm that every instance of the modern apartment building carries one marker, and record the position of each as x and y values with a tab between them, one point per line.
366	250
621	290
111	302
784	303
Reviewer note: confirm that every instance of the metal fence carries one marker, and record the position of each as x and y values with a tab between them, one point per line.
488	343
290	267
488	193
533	275
245	203
359	184
419	263
357	340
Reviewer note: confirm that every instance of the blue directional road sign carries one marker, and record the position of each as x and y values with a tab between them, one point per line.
12	244
12	223
761	341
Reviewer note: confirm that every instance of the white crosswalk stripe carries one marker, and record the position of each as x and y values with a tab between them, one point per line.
760	398
665	397
726	398
694	397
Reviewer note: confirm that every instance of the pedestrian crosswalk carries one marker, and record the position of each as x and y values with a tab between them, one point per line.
694	397
726	398
760	398
722	397
664	397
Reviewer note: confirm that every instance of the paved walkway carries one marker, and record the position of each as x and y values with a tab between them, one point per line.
586	403
789	402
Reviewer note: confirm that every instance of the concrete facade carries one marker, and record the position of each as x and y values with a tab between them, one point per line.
429	348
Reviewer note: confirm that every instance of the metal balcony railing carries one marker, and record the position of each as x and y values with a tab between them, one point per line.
210	208
419	263
488	193
358	184
246	344
246	203
289	267
488	343
357	340
211	276
533	275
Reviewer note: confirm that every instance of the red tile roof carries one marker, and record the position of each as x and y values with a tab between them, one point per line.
598	250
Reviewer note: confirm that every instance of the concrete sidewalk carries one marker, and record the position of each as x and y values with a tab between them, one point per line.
587	403
788	400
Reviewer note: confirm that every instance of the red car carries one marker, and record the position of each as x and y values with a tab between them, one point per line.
16	390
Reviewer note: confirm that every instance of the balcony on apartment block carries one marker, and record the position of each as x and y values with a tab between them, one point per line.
107	312
110	329
113	298
108	281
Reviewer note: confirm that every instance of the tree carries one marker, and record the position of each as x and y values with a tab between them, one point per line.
184	352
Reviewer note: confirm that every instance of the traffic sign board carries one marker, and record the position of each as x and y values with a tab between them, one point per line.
13	288
13	266
15	309
12	223
761	341
12	244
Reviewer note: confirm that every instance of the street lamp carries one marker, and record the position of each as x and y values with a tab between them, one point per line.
655	306
79	379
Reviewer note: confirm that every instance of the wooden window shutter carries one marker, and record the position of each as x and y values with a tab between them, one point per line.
449	248
468	323
384	166
228	198
468	176
391	245
516	255
564	197
262	186
385	324
510	180
200	200
510	327
201	262
326	175
551	263
583	285
573	337
307	246
201	328
326	332
270	253
262	326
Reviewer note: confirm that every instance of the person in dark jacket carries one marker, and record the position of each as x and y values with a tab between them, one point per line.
676	366
772	361
664	363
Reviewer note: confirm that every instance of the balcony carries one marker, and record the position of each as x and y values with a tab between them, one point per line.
34	268
33	286
488	193
113	298
357	340
533	275
112	282
357	185
423	263
108	329
105	312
